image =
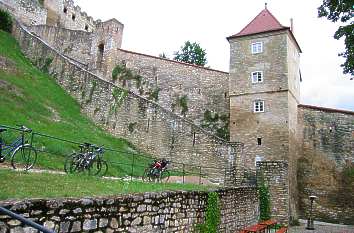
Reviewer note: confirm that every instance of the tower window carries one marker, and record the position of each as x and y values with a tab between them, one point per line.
257	47
259	141
86	27
258	106
73	17
257	77
65	10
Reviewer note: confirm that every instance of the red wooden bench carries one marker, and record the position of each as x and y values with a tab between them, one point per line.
258	228
271	223
282	230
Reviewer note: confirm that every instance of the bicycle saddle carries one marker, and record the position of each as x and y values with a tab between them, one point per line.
2	130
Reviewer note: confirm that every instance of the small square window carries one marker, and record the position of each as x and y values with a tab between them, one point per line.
257	77
257	47
259	141
258	106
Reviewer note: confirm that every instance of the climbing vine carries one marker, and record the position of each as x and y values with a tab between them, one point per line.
119	95
212	217
183	103
216	123
131	126
122	73
264	200
154	94
93	87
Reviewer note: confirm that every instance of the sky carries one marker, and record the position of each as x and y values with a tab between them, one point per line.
157	26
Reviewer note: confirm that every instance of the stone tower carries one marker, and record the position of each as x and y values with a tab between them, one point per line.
264	93
107	39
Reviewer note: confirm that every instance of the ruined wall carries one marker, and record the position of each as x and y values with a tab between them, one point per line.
276	177
327	148
149	212
152	128
30	12
206	89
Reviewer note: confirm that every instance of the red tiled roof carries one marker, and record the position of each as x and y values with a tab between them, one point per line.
263	22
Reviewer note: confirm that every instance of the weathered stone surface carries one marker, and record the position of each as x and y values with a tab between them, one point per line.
76	227
64	227
90	224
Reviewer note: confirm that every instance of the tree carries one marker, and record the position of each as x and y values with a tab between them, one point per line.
191	53
342	10
5	21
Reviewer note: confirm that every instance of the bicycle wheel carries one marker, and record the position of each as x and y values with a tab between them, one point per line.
147	175
23	157
164	176
98	167
71	163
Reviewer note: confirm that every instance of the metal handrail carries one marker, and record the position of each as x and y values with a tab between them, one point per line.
25	220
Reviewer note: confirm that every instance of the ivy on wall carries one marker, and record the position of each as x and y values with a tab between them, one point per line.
212	217
119	96
264	200
154	94
122	73
183	103
92	90
131	126
217	124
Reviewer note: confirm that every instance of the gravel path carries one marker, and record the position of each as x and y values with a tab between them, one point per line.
321	227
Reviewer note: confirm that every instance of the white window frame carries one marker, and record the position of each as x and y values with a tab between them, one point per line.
259	79
258	106
257	47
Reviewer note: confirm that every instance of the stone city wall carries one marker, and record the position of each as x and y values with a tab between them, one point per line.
327	148
30	12
74	44
64	13
206	89
178	211
152	128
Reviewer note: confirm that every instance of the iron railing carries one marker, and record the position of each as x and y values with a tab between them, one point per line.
133	163
24	220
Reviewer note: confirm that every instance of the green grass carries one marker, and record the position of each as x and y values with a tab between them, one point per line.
17	185
32	98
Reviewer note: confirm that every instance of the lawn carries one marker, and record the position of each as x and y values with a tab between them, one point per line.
30	97
19	185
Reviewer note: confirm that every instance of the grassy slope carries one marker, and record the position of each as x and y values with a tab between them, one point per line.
30	185
32	98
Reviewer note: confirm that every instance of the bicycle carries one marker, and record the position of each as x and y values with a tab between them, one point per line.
154	174
88	159
19	150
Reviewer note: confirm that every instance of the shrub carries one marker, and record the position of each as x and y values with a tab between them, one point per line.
264	201
5	21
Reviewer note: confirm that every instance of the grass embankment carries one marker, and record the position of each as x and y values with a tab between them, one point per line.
32	98
17	185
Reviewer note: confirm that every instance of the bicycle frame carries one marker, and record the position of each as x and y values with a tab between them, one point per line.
8	149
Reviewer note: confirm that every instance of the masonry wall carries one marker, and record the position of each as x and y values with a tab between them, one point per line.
30	12
149	212
152	128
74	44
275	175
327	147
206	89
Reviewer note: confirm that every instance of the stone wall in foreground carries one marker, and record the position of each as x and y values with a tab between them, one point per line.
178	211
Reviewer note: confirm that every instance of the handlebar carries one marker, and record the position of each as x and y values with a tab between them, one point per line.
24	128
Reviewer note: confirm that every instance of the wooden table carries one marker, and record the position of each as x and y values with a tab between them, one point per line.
256	229
269	223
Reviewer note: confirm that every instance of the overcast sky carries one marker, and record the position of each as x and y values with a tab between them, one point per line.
157	26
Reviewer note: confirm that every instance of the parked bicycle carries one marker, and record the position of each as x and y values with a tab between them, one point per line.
157	171
22	155
88	159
